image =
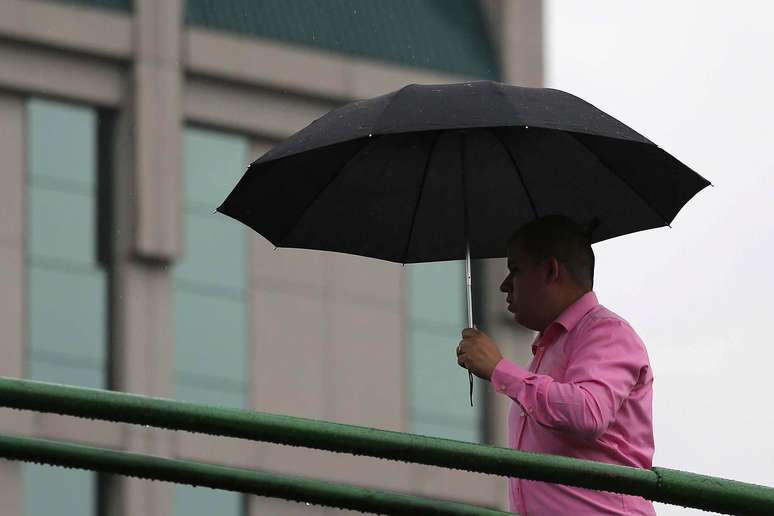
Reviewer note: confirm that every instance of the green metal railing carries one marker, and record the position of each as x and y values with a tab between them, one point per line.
232	479
658	484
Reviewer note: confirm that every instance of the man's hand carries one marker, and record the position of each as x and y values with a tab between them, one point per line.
478	353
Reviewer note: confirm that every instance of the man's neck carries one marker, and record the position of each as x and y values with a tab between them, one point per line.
563	303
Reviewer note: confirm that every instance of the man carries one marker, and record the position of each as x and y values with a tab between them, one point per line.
587	392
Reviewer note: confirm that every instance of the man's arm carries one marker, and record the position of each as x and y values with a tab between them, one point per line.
603	368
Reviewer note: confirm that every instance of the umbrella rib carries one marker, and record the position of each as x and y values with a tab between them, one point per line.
419	197
368	142
518	170
624	181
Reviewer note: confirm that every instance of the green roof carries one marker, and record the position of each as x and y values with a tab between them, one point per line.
118	5
444	35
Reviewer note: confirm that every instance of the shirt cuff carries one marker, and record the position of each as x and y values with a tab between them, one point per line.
508	377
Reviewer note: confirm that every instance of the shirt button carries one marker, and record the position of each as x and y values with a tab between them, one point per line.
522	413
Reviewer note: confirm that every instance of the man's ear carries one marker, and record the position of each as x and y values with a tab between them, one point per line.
553	270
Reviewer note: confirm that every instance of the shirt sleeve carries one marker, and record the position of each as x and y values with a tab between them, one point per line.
603	368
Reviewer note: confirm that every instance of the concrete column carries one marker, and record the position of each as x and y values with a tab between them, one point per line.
516	28
10	488
143	344
12	316
147	194
157	110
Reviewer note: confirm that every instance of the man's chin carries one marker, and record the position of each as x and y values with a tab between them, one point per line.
517	318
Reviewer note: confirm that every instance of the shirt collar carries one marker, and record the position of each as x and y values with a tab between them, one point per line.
570	317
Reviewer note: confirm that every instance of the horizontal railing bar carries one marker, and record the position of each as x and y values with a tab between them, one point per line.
260	483
658	484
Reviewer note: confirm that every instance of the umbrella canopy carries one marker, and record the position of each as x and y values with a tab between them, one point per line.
414	175
446	172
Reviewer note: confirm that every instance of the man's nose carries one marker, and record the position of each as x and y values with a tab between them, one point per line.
504	287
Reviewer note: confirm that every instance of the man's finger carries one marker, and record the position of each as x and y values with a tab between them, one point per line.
469	332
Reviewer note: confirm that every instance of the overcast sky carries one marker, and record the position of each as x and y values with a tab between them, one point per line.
695	77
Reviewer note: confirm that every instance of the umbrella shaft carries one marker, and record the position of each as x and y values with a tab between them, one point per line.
470	307
468	285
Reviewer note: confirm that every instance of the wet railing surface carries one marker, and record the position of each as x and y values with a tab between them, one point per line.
657	484
232	479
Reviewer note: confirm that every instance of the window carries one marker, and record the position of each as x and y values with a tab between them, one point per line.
67	285
210	295
439	388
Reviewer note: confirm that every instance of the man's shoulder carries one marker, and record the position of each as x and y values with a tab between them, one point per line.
626	338
601	315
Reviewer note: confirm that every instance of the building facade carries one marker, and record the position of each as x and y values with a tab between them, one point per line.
123	124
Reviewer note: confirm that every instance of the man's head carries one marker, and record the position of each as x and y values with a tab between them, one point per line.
550	265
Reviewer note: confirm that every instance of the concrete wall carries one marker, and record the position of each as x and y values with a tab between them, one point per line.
156	76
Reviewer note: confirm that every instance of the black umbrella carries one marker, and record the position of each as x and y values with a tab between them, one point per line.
445	172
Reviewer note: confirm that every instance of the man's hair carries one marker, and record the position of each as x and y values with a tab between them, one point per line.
560	237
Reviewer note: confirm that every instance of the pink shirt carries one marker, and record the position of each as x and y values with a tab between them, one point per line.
587	394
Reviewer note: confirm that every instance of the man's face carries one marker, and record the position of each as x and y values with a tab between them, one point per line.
524	287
